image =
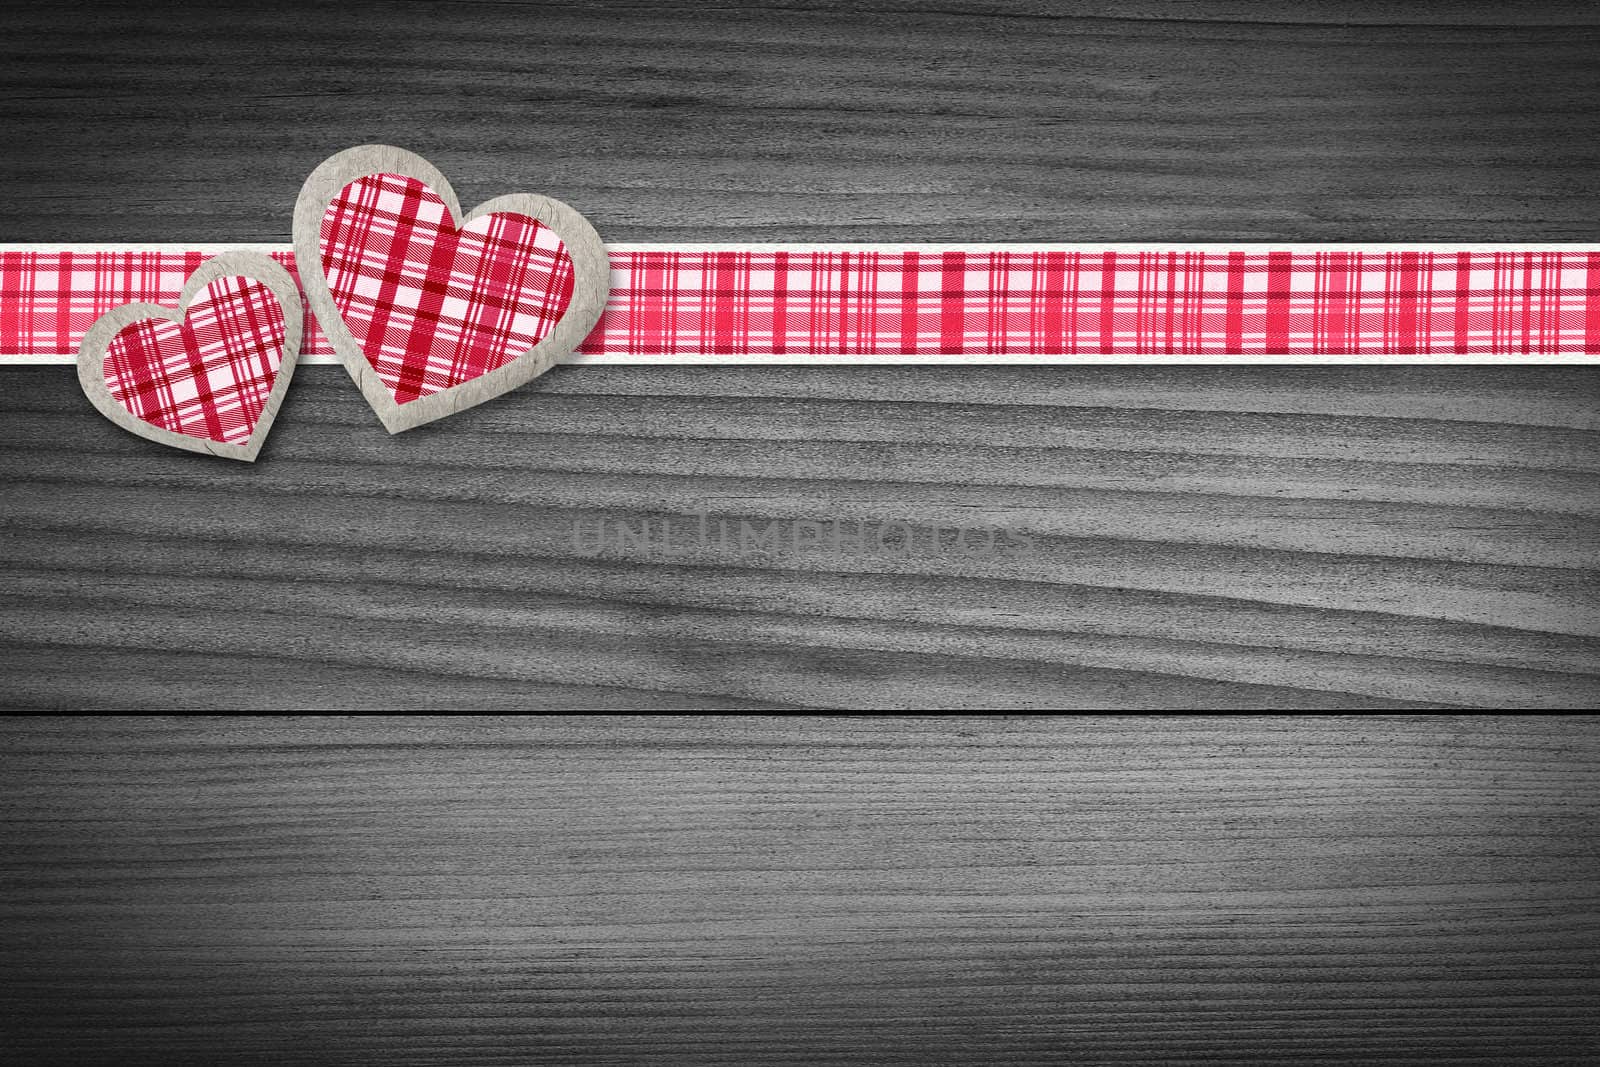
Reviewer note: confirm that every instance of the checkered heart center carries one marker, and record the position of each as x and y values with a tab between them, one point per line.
432	306
208	376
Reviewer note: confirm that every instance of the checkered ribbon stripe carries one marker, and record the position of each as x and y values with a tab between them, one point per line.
208	376
996	303
708	305
431	306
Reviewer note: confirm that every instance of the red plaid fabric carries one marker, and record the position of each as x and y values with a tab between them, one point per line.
208	376
431	306
706	306
1001	303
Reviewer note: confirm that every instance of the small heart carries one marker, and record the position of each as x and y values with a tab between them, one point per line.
431	316
208	375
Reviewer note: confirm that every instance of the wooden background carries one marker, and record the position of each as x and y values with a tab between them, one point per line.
802	891
1268	537
788	890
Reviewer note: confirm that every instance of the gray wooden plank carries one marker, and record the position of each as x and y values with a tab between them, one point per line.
785	890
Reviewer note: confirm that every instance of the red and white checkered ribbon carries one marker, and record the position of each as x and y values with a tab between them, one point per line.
980	304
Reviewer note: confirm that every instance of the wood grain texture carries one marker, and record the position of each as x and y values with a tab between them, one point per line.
823	121
1402	890
1332	537
1270	537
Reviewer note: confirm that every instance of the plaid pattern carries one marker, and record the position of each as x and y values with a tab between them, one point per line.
431	306
999	303
709	305
208	376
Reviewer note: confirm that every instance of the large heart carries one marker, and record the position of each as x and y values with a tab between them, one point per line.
207	375
431	315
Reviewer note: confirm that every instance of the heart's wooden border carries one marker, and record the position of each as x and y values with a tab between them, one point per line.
591	283
257	267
